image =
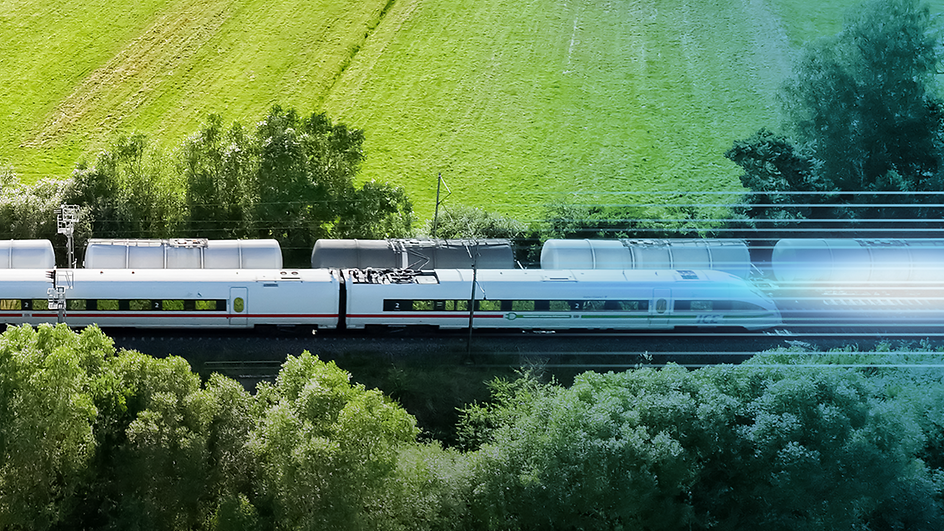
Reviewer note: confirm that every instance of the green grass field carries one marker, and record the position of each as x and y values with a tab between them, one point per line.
516	102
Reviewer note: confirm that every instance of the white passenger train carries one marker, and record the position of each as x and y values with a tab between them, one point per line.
357	299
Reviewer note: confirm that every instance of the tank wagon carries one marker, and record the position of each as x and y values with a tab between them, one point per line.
413	254
858	261
183	253
728	255
27	254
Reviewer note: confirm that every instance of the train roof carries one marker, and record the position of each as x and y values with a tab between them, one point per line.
198	275
539	275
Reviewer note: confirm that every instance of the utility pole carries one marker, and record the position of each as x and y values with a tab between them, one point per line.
439	183
474	254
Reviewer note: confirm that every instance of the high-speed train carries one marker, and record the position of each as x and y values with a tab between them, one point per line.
363	298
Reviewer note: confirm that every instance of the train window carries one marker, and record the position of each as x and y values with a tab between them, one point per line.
205	305
139	305
662	305
111	305
633	306
40	304
239	305
522	306
701	306
419	306
172	305
11	304
707	305
590	306
559	306
488	306
746	306
459	306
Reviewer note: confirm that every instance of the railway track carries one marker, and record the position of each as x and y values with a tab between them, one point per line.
253	357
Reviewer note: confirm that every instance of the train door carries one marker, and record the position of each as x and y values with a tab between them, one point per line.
239	306
661	308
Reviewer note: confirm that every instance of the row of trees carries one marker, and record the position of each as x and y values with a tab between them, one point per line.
99	439
290	178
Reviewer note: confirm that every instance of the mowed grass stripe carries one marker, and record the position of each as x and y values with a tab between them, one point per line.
143	69
518	103
234	57
46	49
268	53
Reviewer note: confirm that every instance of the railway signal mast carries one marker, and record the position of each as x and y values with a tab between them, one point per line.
66	218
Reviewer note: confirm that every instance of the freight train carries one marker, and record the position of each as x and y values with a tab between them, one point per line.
584	285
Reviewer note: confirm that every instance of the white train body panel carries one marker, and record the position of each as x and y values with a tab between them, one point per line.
154	298
548	300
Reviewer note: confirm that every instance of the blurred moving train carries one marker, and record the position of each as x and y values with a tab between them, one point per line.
583	284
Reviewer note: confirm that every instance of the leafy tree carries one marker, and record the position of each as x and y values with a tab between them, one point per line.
599	455
326	447
102	440
290	178
29	211
375	211
722	447
864	108
306	171
219	167
162	466
48	380
467	222
864	100
131	191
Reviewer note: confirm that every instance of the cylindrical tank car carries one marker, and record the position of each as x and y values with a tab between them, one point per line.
728	255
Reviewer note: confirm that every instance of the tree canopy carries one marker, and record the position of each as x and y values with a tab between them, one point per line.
96	438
